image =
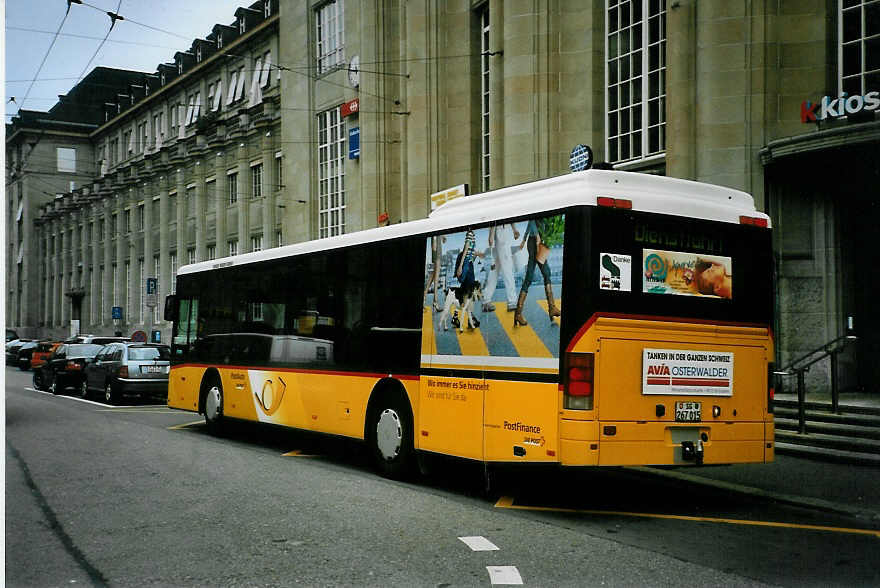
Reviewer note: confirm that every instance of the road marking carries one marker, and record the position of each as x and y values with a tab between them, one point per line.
185	425
124	409
507	502
504	575
479	543
298	453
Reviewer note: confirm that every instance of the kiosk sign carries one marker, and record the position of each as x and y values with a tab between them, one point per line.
687	372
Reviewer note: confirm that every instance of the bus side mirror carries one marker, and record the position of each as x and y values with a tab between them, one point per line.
170	308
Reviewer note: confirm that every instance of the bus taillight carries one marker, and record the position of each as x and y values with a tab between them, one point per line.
614	202
578	381
755	221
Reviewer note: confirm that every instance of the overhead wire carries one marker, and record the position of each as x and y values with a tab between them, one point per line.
46	56
101	45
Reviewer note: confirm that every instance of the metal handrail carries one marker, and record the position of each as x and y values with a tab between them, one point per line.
831	349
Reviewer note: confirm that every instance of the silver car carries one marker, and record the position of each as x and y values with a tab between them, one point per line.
126	368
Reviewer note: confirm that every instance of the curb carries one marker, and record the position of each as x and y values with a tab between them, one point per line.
789	499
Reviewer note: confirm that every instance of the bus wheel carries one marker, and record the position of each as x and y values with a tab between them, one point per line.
214	405
391	438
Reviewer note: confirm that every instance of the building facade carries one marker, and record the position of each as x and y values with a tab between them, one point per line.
306	119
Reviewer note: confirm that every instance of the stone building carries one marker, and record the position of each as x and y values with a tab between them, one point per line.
367	108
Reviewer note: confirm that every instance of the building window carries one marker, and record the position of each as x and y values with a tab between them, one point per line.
242	25
331	173
212	252
278	241
126	221
257	181
140	217
219	39
232	247
279	181
484	102
194	106
191	255
329	20
66	159
636	74
267	8
232	182
142	290
257	243
128	303
860	47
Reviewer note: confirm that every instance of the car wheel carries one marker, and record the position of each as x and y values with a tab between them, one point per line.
84	389
38	380
214	405
110	394
390	436
55	387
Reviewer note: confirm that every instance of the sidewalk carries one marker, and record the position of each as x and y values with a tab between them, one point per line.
854	399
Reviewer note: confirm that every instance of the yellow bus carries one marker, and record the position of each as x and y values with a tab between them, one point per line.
600	318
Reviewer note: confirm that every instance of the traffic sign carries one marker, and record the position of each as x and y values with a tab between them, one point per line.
139	337
116	312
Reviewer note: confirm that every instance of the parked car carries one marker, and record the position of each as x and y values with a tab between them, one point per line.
12	349
24	355
96	339
11	335
42	352
128	368
64	368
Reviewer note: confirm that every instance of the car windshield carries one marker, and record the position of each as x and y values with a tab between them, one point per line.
83	350
141	353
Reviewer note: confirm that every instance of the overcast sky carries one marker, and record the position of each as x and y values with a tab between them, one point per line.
153	32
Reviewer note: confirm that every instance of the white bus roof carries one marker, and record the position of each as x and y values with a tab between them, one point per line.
648	193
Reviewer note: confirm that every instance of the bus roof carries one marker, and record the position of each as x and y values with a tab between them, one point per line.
648	193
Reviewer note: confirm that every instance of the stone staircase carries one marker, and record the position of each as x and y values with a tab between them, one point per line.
852	435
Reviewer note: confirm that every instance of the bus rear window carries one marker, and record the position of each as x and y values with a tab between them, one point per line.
661	265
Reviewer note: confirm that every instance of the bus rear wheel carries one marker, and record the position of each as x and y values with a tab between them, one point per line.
391	438
214	405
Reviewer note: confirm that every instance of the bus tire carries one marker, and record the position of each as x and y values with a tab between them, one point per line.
212	391
390	435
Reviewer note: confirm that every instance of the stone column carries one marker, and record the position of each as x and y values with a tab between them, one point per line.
163	215
120	258
270	184
221	187
201	208
107	287
244	197
181	215
65	270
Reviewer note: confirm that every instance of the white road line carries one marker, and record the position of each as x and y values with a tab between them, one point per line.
479	543
504	575
74	398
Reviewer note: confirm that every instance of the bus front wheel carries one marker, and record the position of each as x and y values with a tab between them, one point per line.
214	405
391	438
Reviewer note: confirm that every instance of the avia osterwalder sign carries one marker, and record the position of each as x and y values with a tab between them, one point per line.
835	107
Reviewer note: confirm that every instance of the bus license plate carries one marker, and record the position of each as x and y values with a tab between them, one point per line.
688	412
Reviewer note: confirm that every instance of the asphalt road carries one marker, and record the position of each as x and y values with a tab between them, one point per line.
145	496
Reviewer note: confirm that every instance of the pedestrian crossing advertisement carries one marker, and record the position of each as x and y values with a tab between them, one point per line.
493	296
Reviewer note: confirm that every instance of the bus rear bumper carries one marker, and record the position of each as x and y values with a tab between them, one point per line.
663	443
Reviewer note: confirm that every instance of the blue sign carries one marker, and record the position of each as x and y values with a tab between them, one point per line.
152	285
116	312
581	158
354	143
155	336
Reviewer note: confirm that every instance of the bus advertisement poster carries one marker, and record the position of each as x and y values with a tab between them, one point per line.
480	284
687	371
687	274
